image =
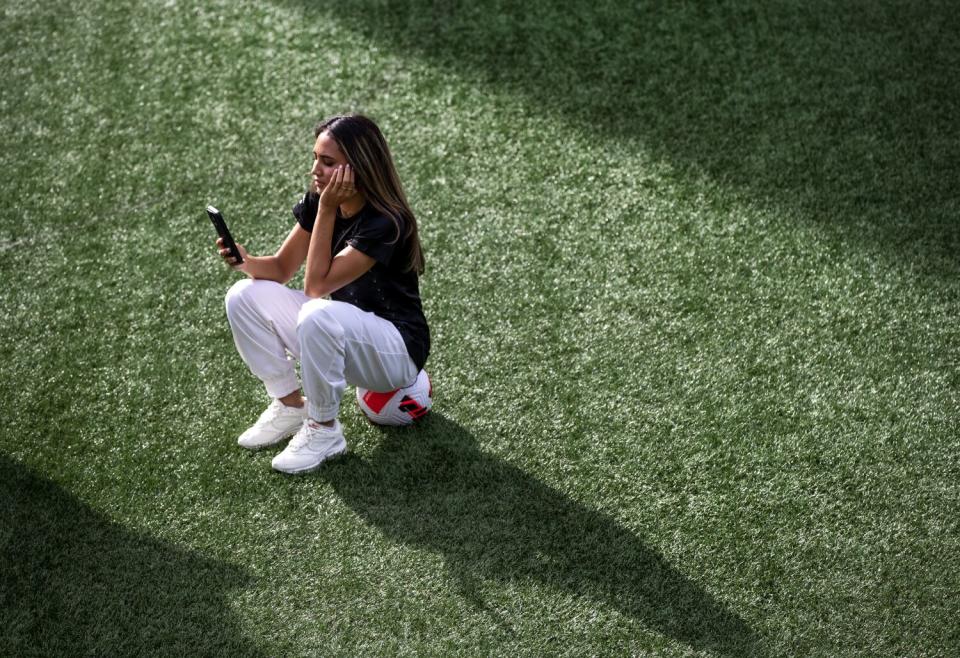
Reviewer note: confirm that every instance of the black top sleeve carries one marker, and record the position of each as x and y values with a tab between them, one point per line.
305	211
376	236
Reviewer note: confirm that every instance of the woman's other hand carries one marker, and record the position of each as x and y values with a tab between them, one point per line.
339	188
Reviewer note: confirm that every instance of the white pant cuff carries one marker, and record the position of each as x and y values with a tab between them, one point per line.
322	413
282	385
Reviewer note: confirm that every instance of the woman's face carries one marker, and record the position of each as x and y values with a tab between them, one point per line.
327	156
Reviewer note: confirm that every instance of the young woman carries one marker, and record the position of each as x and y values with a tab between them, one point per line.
358	237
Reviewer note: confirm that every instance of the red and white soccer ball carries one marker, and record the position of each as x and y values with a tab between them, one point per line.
400	407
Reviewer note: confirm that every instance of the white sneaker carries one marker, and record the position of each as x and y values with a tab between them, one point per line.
274	425
311	446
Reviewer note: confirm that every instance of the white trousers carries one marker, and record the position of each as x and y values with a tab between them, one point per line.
336	343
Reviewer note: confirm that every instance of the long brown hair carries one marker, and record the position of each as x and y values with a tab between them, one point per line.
367	152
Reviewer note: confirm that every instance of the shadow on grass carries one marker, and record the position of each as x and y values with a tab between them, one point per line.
73	583
844	111
436	489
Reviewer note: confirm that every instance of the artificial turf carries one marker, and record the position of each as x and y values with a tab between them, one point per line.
693	287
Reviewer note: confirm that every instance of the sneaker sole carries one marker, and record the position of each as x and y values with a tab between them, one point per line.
306	469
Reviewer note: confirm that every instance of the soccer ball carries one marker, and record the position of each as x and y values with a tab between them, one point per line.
399	407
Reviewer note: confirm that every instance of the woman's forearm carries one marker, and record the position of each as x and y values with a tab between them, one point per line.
319	255
268	268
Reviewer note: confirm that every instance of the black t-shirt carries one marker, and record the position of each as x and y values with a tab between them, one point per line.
386	289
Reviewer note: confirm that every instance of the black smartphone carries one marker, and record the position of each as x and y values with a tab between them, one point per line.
217	218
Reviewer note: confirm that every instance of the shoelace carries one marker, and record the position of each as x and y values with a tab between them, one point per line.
298	441
302	437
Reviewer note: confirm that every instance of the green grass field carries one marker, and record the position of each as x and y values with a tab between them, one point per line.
694	288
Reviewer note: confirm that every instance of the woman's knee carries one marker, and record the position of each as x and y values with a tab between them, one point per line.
247	294
235	294
322	314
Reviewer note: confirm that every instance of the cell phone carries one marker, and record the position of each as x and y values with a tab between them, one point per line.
217	218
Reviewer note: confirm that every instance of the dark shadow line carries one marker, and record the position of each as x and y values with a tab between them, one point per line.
433	487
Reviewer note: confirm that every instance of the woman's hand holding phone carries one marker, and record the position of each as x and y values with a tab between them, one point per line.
234	255
229	259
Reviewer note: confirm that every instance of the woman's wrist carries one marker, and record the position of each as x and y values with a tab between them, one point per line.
326	212
247	266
